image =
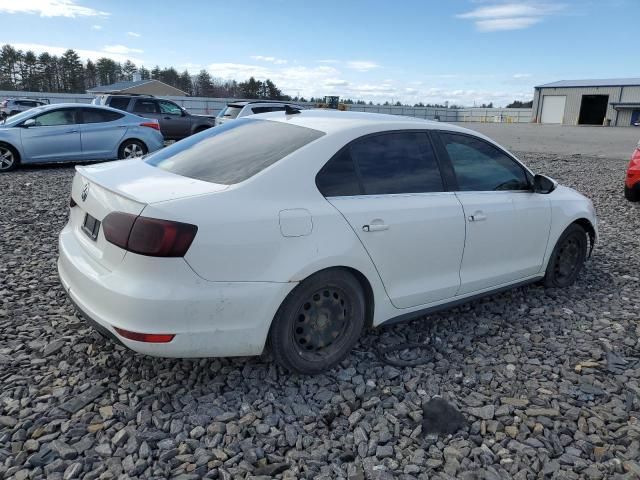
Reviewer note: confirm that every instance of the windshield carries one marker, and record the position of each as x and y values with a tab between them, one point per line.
233	152
19	117
231	111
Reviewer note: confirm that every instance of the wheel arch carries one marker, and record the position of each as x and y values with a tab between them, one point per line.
362	279
589	228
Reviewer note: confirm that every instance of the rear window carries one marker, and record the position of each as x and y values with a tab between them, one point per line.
233	152
231	112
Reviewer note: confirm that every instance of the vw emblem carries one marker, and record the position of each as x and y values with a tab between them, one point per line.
85	192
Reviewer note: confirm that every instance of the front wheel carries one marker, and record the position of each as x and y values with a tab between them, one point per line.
131	149
8	158
567	258
318	323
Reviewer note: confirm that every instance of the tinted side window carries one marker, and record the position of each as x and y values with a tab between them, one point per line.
267	109
121	103
397	163
93	115
479	166
146	106
57	117
338	178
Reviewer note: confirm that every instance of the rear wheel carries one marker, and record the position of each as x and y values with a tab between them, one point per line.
567	258
132	149
318	323
8	158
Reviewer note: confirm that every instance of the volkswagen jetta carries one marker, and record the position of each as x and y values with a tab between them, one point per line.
299	230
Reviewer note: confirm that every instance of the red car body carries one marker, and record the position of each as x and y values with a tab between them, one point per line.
632	180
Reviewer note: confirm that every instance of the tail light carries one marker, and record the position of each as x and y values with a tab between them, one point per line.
145	337
148	236
155	125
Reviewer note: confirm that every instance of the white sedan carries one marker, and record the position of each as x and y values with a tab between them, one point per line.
298	230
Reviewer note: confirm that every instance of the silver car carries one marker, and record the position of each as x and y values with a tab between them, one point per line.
72	132
243	108
12	106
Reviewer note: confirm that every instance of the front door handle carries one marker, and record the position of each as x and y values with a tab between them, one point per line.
477	217
376	227
72	131
167	118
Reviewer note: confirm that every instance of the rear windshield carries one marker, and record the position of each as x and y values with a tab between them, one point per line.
234	151
231	111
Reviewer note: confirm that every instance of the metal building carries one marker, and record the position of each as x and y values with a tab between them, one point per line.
614	102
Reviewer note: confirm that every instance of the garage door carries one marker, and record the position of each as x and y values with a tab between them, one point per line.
553	108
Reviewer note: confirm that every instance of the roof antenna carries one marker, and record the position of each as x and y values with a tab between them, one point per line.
289	110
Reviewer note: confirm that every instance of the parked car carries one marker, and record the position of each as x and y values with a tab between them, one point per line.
299	231
241	109
11	106
632	180
175	122
72	132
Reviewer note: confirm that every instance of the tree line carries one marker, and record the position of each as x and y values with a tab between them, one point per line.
67	73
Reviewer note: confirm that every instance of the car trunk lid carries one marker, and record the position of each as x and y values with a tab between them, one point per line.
124	186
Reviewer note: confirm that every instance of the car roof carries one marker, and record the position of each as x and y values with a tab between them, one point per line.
53	106
242	103
331	121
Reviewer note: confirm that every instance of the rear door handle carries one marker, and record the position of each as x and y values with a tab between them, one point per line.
477	217
376	227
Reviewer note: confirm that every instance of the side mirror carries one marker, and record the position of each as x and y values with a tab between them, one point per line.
30	122
542	184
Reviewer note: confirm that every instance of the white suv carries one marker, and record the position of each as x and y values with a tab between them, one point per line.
240	109
11	106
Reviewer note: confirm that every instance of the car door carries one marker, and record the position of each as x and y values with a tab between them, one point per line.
55	136
389	188
100	133
177	121
149	108
507	223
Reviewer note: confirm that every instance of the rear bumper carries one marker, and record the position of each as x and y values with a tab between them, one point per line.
164	296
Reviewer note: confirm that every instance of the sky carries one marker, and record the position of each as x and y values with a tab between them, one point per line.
465	52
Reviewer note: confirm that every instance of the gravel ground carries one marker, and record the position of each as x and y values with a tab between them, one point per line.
531	370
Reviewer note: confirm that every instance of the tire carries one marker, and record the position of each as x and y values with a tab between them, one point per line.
132	149
632	194
318	323
567	258
9	158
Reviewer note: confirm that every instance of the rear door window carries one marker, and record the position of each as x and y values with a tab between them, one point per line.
121	103
397	163
146	106
234	151
94	115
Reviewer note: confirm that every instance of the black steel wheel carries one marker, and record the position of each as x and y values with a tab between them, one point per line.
567	258
318	323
